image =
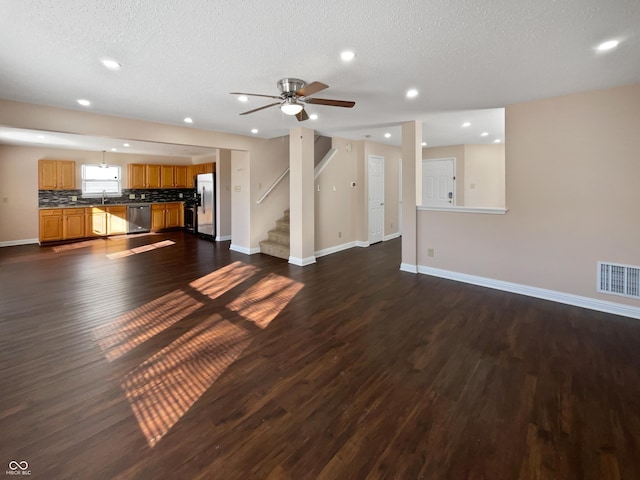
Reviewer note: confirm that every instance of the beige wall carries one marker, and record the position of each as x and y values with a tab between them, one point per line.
484	176
333	200
572	167
267	164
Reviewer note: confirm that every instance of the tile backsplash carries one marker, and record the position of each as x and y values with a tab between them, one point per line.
63	198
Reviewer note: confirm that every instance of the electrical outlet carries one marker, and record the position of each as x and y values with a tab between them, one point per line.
74	198
391	224
132	196
339	234
472	186
431	252
179	195
5	199
143	196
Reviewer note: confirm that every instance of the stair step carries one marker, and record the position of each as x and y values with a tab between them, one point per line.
274	249
279	236
282	225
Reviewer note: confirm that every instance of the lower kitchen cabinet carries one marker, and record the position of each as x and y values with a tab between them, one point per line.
51	228
101	221
73	220
116	220
96	222
166	215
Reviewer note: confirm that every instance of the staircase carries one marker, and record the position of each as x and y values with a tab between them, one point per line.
278	243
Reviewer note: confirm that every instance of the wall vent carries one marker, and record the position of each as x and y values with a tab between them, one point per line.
619	279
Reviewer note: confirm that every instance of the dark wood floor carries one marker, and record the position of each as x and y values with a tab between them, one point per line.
187	360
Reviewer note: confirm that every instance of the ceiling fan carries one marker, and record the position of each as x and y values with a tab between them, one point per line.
294	93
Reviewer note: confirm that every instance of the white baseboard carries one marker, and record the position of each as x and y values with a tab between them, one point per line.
391	236
15	243
335	249
223	238
407	267
560	297
245	250
302	262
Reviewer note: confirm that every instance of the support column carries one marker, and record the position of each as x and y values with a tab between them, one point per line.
301	197
411	190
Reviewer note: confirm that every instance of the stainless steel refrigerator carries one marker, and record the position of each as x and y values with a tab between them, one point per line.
206	188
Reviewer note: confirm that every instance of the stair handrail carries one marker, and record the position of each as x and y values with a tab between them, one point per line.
274	185
322	164
317	171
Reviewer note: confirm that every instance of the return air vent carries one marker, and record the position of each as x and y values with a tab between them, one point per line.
619	279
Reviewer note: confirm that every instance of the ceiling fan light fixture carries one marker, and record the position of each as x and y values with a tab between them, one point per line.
291	107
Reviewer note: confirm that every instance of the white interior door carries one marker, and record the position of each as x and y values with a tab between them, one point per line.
438	182
376	199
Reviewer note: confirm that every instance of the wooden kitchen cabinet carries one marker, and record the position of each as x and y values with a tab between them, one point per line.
51	228
95	222
167	176
101	221
144	175
166	215
181	176
73	220
56	175
116	220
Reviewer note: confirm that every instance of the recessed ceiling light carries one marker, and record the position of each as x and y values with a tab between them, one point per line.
83	102
424	144
604	46
497	140
484	134
188	120
110	64
387	135
254	130
347	55
412	93
114	149
466	124
243	98
313	116
126	145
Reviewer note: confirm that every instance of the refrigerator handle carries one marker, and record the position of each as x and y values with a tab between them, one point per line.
203	202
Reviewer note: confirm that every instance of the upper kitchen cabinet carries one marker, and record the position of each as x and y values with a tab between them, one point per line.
144	176
56	175
181	176
167	176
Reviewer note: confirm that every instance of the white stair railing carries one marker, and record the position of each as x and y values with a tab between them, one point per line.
275	184
317	171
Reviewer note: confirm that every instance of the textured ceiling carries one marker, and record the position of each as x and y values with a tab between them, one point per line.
181	59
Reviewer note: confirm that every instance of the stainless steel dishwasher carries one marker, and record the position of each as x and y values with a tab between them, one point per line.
138	218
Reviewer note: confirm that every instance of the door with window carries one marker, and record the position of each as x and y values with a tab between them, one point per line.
438	182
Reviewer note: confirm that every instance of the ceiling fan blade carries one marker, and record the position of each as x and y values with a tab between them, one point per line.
253	94
313	87
260	108
331	103
302	116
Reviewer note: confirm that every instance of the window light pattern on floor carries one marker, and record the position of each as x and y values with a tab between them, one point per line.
224	279
165	386
262	302
137	326
140	249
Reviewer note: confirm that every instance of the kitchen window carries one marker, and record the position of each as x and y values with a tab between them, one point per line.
98	180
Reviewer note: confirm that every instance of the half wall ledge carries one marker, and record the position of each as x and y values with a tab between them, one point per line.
484	210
